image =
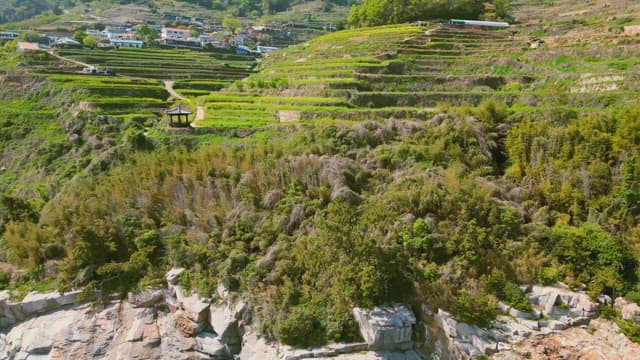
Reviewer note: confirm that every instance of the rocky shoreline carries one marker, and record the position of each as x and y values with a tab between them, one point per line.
171	324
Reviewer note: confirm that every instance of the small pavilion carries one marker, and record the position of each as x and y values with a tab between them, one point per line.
178	112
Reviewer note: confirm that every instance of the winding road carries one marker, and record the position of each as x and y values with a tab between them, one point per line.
70	60
168	85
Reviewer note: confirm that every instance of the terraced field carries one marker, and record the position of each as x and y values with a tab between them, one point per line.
122	97
408	70
138	92
361	74
402	71
197	73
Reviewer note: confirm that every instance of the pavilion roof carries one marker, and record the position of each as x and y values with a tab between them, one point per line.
178	111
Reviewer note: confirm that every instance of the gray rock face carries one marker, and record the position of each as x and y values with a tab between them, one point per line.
386	327
601	340
173	275
33	304
465	341
116	331
210	344
147	298
563	309
628	309
558	302
193	305
255	347
225	318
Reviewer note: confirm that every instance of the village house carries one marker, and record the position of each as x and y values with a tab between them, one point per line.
126	43
96	34
169	33
29	46
8	35
477	24
195	20
265	49
65	41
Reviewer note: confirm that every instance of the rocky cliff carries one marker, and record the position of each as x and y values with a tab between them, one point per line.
172	324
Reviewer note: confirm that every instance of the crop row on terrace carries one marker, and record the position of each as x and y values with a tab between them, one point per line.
391	70
114	95
362	73
166	64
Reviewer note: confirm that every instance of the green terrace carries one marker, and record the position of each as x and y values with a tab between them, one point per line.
115	95
166	64
246	110
363	73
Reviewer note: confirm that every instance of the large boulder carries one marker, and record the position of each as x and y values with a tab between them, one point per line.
173	276
146	298
255	347
559	303
35	336
186	325
33	304
628	309
465	341
225	318
209	344
386	327
193	305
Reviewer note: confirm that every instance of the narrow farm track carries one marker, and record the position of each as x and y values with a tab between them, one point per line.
70	60
199	113
168	85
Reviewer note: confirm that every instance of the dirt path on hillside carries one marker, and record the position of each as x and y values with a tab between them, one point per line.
199	113
168	85
71	60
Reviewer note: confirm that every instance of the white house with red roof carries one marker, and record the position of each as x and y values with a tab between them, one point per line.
170	33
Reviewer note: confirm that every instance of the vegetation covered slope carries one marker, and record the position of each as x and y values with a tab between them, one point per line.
532	180
376	12
25	14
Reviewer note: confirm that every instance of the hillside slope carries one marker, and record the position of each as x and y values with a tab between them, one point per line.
427	165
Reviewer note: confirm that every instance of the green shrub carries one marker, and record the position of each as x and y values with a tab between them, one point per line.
549	275
5	280
302	327
478	309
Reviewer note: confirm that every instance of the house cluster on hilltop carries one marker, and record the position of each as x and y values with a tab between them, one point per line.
169	30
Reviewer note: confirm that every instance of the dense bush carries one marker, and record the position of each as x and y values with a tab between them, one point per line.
454	212
376	12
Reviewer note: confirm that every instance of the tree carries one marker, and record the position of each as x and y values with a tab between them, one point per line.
79	36
145	33
90	42
30	36
231	24
379	12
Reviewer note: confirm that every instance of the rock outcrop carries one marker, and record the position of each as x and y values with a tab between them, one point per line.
554	309
255	347
226	319
628	309
386	327
465	341
563	304
171	324
601	340
32	304
114	331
